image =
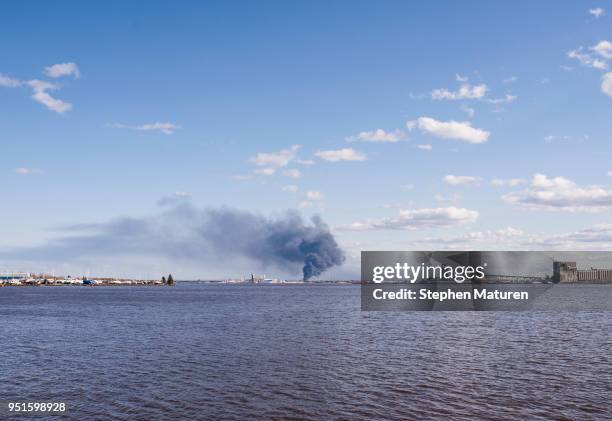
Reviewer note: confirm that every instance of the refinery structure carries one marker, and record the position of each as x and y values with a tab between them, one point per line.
568	272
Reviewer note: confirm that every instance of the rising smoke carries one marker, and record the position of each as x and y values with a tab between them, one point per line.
184	232
284	241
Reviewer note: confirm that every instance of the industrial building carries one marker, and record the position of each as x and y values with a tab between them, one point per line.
13	276
568	272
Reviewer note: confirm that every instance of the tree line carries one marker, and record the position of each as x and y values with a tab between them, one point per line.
167	281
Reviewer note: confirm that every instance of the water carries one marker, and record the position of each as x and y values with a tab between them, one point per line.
233	352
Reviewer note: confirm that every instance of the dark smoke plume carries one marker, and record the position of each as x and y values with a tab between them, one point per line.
186	232
284	241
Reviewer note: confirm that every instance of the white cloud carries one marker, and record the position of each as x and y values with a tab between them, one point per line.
241	177
469	111
40	92
466	91
505	237
305	162
9	82
560	194
378	135
597	237
586	59
604	49
291	188
41	95
166	128
265	171
459	130
420	218
314	195
293	173
597	12
456	180
272	161
512	182
472	92
565	138
461	78
506	99
606	84
63	69
425	147
305	204
346	154
174	198
275	160
453	198
26	171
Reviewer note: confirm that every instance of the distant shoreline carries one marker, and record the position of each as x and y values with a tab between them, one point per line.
159	284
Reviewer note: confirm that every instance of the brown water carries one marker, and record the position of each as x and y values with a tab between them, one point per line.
296	352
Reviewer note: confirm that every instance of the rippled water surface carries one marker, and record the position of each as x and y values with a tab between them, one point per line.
295	352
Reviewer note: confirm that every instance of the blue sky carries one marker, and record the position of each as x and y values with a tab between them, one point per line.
493	121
